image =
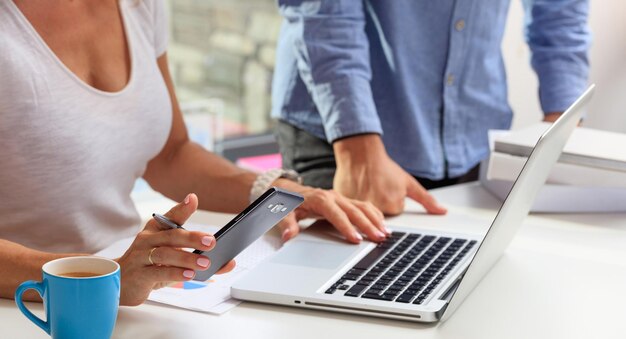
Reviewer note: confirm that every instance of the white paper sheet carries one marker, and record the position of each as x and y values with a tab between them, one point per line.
212	296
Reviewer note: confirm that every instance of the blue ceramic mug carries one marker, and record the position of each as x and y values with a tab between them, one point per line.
77	305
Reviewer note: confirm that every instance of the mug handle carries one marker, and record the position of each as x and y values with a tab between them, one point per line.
39	287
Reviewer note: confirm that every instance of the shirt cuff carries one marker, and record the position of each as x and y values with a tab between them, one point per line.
560	86
347	108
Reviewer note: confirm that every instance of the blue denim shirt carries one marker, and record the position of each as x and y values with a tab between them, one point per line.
426	75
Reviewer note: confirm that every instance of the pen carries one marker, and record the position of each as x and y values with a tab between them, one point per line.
165	221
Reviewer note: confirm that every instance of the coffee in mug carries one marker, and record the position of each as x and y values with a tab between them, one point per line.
79	274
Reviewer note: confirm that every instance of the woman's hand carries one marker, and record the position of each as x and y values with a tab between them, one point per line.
164	248
351	217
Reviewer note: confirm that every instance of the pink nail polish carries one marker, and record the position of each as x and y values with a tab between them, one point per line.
207	241
203	262
285	234
188	274
186	201
358	236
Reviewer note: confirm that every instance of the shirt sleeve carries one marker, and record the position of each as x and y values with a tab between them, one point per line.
160	24
332	53
558	36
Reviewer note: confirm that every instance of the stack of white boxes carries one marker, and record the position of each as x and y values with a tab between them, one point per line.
589	177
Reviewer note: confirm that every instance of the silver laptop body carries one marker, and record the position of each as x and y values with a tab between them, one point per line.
414	275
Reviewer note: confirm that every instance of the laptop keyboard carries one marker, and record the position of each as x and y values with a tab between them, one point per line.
405	268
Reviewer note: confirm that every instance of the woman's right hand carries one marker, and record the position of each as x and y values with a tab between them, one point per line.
171	263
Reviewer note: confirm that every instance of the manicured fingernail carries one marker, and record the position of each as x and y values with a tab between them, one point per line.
203	262
285	234
388	231
188	274
358	236
186	201
380	234
207	241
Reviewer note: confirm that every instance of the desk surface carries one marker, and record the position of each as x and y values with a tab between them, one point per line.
562	277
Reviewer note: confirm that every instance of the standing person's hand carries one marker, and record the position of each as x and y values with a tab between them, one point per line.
156	256
551	117
365	172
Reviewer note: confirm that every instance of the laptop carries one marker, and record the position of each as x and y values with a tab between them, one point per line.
413	275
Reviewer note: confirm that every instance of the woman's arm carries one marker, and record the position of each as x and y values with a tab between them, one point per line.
183	167
18	264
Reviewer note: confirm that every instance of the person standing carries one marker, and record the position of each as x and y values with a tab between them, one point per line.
385	99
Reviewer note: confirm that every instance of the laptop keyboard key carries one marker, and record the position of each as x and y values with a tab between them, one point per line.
397	234
405	298
371	258
350	277
385	297
388	296
375	291
379	286
373	296
356	271
355	290
365	281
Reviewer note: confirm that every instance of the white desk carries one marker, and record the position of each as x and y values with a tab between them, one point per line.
564	276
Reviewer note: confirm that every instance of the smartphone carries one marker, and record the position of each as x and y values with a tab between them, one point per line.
263	214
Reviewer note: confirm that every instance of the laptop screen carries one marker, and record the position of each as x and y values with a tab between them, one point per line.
519	201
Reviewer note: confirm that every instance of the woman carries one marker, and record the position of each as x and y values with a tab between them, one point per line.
86	107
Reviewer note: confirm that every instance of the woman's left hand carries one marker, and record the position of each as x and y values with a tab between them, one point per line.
350	217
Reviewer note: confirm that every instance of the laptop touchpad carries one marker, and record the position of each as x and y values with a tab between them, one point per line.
315	254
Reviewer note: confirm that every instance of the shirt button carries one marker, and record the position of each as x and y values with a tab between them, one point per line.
450	80
459	25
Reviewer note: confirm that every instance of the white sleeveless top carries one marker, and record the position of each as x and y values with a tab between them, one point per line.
69	153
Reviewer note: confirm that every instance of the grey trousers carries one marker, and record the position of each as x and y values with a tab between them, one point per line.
310	156
314	159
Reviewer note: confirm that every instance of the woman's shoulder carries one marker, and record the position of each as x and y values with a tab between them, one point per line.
150	11
151	15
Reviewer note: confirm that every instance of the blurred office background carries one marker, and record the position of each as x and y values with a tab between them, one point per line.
225	50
